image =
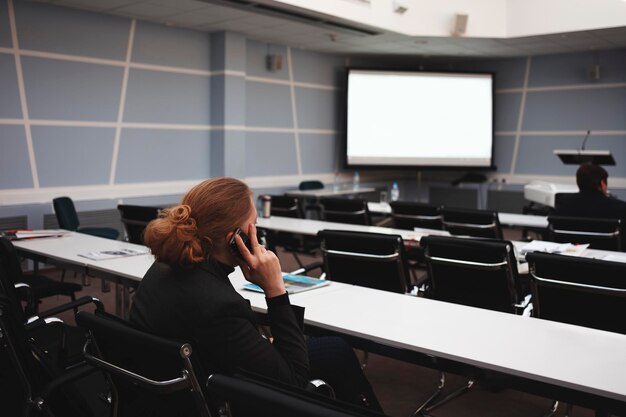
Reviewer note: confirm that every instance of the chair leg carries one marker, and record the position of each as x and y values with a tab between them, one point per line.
422	408
554	408
453	395
297	258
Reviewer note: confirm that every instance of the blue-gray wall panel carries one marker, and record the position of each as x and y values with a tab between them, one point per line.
596	109
5	30
503	152
163	155
507	111
73	155
536	155
317	68
317	109
161	45
268	105
256	55
14	162
9	93
509	71
162	97
68	31
162	201
318	153
228	51
229	108
269	154
71	90
568	69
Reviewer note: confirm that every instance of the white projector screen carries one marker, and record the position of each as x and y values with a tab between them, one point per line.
409	119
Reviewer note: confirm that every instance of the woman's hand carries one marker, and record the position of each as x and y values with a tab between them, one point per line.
262	266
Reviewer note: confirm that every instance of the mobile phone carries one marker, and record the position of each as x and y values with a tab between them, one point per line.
232	244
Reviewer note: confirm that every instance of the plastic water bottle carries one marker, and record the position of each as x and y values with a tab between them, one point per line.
336	183
355	180
395	192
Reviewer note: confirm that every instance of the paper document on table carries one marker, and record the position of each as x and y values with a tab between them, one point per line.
552	247
613	257
294	284
112	254
33	234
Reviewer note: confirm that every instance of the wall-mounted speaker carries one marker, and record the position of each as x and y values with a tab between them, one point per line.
274	62
460	24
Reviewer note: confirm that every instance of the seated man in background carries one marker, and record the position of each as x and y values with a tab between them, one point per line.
592	200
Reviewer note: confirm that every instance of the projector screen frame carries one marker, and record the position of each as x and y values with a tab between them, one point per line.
344	142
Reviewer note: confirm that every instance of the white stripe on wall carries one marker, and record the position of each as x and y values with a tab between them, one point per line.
520	117
22	93
120	110
294	110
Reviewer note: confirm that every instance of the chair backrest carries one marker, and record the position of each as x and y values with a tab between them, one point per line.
345	210
311	185
474	272
66	213
10	276
581	291
477	223
135	220
246	397
599	233
285	206
409	215
371	260
151	375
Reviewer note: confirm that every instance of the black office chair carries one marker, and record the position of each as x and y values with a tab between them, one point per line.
476	223
31	381
68	219
135	219
371	260
284	206
310	204
149	375
472	272
40	286
246	396
581	291
310	185
599	233
344	210
409	215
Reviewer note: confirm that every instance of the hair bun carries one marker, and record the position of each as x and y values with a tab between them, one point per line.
186	228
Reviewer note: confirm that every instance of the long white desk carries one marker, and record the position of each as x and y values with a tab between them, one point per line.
506	219
559	360
330	192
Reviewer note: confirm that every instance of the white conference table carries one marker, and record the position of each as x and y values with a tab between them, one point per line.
330	192
561	357
506	219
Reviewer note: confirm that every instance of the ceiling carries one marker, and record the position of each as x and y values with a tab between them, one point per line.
313	33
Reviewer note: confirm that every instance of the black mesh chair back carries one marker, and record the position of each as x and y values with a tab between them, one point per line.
32	379
135	220
599	233
367	259
39	286
581	291
151	375
285	206
473	272
476	223
247	397
344	210
310	185
409	215
67	218
65	213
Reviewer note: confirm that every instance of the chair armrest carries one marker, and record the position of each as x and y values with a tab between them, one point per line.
523	305
319	386
68	306
308	267
23	288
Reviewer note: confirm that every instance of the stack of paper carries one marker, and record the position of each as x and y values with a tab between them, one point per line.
111	254
552	247
33	234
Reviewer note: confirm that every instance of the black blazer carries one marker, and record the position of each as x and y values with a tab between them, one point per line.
590	204
200	305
